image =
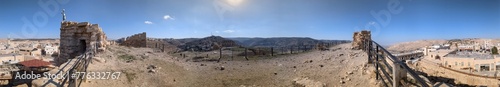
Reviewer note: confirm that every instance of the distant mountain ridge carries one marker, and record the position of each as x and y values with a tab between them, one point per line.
215	42
206	44
281	41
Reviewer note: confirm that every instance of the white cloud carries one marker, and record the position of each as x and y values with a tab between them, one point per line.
168	17
148	22
228	31
371	22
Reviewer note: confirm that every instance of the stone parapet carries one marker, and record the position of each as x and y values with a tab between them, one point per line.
78	37
359	38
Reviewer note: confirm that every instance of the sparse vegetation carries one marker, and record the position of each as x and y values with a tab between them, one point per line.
494	50
127	57
130	76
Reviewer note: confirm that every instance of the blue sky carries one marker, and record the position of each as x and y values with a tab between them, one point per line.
397	20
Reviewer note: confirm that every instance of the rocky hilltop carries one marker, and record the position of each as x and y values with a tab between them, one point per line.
414	45
207	44
282	41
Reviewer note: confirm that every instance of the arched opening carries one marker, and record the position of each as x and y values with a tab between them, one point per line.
82	46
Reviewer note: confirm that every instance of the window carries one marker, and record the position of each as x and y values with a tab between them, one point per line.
462	64
468	63
456	64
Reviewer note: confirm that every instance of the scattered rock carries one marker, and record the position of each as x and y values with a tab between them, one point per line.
220	68
349	73
294	66
306	82
342	82
152	71
308	61
203	65
275	73
98	59
152	67
320	65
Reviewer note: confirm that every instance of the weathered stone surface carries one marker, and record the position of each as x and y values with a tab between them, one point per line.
359	38
136	40
306	82
76	38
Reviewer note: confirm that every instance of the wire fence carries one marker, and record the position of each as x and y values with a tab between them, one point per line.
249	53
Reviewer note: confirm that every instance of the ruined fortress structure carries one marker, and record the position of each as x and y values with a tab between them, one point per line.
77	38
141	40
359	38
136	40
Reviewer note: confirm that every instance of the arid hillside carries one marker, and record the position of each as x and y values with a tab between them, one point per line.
414	45
141	67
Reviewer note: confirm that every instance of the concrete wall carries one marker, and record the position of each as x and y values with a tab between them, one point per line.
434	70
458	63
12	58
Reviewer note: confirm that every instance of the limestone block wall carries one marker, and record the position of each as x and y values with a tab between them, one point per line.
136	40
359	37
78	37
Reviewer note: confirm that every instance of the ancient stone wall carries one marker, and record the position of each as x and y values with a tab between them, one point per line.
359	38
79	37
141	40
136	40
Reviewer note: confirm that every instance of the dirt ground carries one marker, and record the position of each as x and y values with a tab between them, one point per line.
340	66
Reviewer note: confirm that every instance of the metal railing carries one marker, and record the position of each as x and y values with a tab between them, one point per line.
393	70
80	65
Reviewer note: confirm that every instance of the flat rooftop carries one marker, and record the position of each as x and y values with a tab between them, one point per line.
475	55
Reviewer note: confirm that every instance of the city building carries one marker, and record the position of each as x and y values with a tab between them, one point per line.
49	50
11	58
474	61
36	65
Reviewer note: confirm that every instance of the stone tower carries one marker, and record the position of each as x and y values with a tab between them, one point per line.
77	38
359	38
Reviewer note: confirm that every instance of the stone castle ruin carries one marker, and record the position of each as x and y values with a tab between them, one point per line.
359	38
141	40
136	40
78	37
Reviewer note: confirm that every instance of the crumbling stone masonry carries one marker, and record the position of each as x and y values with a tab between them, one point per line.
136	40
359	38
76	38
141	40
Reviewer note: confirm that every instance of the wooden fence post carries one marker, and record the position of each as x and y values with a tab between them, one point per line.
246	54
272	51
220	54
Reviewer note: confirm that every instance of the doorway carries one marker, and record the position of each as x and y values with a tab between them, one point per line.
83	46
